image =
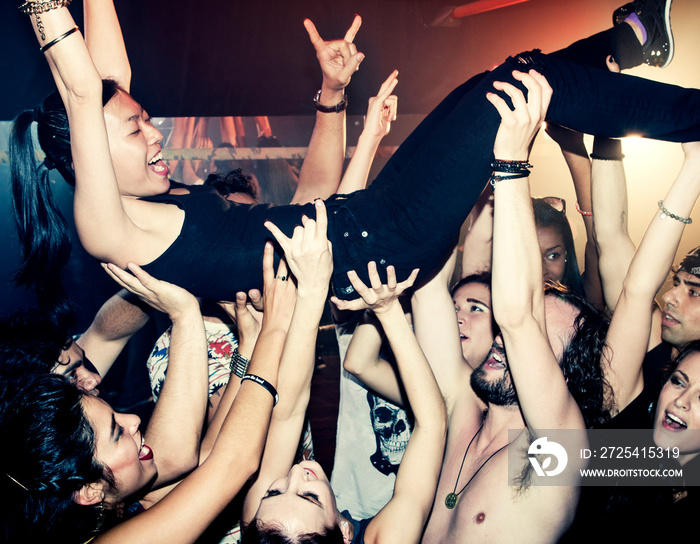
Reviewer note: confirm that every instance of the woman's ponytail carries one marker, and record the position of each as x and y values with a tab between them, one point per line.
43	233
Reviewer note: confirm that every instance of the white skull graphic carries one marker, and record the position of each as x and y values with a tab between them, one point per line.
392	431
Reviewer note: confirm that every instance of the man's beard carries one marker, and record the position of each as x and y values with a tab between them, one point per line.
499	392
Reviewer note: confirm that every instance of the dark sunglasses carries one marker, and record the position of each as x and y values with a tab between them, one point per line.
555	202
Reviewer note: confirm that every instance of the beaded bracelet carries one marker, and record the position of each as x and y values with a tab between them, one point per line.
35	8
510	167
585	214
263	382
665	213
340	106
239	364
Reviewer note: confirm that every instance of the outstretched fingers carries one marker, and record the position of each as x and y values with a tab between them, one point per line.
520	124
161	295
282	239
539	92
354	27
126	280
378	297
321	218
388	85
314	36
268	263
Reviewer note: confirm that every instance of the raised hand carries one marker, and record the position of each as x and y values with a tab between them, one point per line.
246	316
161	295
520	125
382	108
378	297
308	252
279	294
339	59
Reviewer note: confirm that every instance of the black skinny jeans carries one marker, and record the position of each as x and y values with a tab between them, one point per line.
411	214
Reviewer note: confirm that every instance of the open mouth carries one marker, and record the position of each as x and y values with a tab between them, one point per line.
674	423
668	320
497	359
145	453
157	165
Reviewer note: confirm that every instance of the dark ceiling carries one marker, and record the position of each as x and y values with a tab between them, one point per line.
232	57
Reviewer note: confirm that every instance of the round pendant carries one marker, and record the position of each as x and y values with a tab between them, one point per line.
451	500
663	215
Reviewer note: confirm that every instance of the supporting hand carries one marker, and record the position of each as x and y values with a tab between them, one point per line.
378	297
308	252
248	320
279	294
161	295
520	125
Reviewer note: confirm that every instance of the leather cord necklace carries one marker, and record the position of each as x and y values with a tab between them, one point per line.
451	499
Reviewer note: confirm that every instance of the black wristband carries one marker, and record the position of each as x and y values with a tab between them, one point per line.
495	178
607	149
340	106
267	385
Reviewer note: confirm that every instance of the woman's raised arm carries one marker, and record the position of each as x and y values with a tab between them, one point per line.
105	42
104	228
630	326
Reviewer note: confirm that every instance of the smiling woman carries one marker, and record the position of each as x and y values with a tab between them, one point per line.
120	446
134	144
79	470
559	263
678	406
56	412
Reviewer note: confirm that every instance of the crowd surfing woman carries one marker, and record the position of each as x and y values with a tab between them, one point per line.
98	135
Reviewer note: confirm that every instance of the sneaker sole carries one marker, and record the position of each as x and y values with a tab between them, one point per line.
669	33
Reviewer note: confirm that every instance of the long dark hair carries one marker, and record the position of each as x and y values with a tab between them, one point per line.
259	532
581	361
47	456
43	231
548	216
29	344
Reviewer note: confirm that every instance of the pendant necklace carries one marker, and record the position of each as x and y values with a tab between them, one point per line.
451	499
